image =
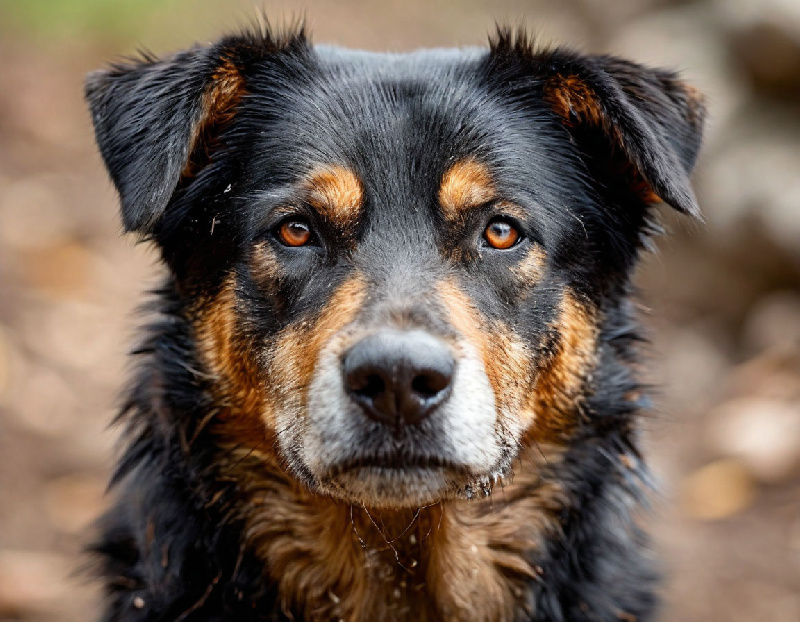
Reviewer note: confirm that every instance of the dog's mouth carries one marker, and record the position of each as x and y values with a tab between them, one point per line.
396	464
397	480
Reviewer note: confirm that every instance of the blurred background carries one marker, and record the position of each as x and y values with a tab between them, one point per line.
724	298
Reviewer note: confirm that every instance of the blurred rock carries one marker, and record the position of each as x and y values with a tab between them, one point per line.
763	434
794	537
765	41
610	15
753	178
74	501
91	445
40	401
59	271
773	323
5	363
693	367
72	334
31	582
773	375
32	215
718	490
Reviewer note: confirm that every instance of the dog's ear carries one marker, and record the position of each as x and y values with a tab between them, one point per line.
148	116
157	121
643	123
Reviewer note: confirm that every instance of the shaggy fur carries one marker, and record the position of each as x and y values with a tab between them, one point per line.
488	205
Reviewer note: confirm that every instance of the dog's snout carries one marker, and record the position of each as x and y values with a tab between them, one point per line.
398	377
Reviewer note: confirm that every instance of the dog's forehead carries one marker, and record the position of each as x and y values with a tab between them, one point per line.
399	122
364	106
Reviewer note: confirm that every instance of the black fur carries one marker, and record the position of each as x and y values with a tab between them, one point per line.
172	547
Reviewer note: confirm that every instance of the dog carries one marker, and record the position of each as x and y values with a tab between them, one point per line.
392	371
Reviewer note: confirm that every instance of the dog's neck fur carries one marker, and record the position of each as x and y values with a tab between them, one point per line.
533	550
455	560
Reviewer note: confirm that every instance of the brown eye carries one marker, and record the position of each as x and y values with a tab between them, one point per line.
501	234
294	233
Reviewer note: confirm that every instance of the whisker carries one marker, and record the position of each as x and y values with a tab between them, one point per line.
391	546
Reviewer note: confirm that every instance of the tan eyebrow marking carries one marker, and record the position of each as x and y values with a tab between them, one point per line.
465	185
337	193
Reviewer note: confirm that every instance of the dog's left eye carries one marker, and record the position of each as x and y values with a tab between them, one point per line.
294	232
501	234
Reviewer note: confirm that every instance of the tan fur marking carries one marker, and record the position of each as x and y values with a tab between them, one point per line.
478	564
331	560
639	187
227	357
337	193
225	93
297	349
574	101
531	269
506	358
695	104
218	107
264	265
548	400
466	185
559	384
308	545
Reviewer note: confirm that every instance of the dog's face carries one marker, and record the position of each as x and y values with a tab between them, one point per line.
395	268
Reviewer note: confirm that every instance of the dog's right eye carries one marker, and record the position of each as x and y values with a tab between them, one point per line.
501	234
294	232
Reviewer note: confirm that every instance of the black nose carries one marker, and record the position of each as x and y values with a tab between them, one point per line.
398	377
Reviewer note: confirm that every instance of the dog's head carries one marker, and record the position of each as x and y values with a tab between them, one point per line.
395	267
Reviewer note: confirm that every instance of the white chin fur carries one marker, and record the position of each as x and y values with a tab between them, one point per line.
380	487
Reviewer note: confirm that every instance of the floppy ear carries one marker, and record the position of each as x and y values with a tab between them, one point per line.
651	117
157	121
147	117
649	123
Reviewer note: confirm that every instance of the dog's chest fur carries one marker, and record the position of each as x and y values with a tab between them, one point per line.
468	560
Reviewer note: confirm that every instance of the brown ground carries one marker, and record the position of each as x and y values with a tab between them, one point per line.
725	299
